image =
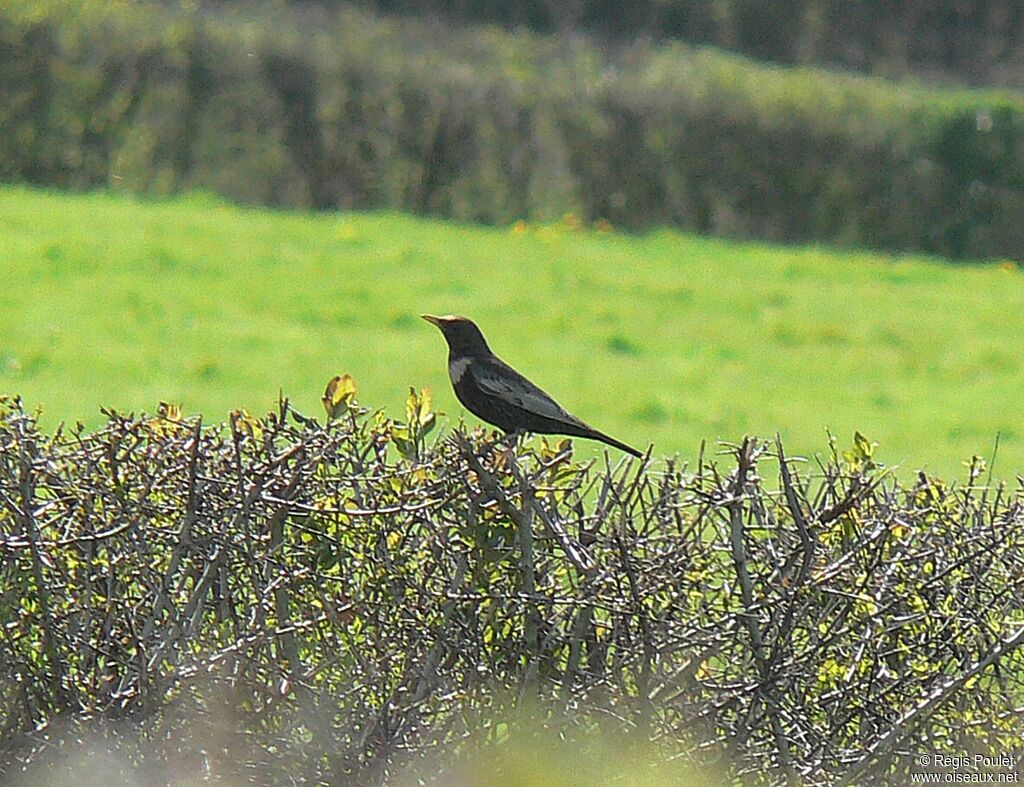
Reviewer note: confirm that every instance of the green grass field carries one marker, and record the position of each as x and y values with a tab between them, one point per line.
662	338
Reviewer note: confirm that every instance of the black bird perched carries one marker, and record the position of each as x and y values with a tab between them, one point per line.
495	392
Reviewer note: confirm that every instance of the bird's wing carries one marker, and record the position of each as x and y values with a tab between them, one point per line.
497	378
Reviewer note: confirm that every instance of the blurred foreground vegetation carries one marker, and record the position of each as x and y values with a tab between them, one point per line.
277	600
308	106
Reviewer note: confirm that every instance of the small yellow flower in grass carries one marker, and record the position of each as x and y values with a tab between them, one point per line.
520	228
339	396
1008	265
572	222
347	232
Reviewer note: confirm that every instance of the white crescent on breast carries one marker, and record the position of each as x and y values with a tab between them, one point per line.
457	368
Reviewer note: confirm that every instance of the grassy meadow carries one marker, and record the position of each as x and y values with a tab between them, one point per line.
663	338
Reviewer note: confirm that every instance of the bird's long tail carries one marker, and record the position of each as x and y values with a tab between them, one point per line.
616	444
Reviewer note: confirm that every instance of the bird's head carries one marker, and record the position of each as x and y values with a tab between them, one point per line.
462	335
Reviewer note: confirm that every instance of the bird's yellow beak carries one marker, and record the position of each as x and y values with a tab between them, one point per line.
432	319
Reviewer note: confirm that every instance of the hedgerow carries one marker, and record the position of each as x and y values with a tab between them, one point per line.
977	44
279	599
303	106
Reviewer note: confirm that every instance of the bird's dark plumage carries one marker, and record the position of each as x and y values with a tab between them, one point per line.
495	392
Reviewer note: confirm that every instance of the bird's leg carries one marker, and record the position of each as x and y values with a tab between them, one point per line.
512	438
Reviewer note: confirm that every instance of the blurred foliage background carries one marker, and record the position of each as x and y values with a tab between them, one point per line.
328	106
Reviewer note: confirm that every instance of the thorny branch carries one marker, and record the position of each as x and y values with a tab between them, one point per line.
357	610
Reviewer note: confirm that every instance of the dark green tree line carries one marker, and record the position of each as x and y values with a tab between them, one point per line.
316	108
975	43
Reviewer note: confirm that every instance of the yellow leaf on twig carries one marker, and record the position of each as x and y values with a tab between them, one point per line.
339	396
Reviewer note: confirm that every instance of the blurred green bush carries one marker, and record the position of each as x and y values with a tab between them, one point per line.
313	108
